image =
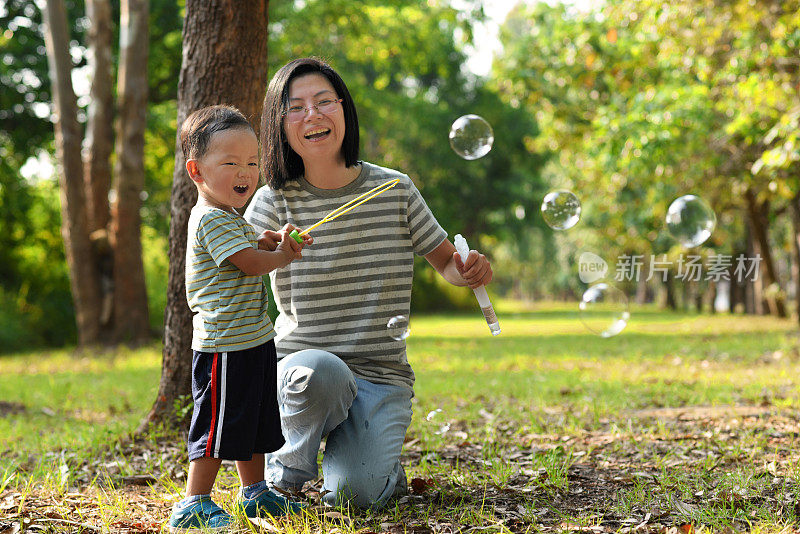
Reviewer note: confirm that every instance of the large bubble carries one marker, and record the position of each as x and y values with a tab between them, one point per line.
604	310
690	220
561	209
398	327
471	137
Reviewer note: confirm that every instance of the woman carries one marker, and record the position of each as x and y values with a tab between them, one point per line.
340	374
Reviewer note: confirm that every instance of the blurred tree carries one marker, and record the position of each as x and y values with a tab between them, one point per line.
96	254
642	102
224	61
30	261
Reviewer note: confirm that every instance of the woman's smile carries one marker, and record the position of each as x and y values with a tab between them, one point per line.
316	134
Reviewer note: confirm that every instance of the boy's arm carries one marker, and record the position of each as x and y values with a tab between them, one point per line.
475	272
257	262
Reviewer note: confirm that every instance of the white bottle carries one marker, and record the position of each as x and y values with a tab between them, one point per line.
480	293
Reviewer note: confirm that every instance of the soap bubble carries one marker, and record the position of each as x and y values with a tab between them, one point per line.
398	327
471	137
444	427
433	414
561	209
604	310
690	220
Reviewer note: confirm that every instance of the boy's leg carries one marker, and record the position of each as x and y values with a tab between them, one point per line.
202	474
251	471
315	390
362	455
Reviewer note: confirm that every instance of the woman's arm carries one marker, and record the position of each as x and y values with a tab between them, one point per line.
475	272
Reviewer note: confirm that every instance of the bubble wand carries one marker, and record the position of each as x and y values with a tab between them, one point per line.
480	292
344	208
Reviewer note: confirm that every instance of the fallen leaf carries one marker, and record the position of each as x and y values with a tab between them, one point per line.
421	485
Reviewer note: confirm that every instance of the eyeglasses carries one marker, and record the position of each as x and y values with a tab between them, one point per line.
298	113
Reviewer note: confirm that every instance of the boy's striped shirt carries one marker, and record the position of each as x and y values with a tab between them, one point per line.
230	306
356	276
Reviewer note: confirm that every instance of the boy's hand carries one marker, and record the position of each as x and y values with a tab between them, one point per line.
291	249
477	271
269	239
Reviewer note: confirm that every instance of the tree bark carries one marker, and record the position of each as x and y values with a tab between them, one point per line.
757	215
224	61
97	147
795	210
131	321
68	138
669	287
99	125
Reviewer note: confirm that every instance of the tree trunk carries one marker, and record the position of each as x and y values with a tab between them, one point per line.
795	209
131	321
99	125
68	137
757	214
97	151
669	287
641	283
753	304
224	61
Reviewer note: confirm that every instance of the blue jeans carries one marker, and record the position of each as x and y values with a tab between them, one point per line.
365	424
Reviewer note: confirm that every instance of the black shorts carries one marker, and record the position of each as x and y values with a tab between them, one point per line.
235	404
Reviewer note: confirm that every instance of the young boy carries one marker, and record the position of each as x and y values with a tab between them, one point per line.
235	413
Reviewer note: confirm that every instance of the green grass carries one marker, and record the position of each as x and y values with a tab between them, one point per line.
692	417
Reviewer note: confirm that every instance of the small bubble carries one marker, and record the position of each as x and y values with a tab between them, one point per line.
398	327
561	209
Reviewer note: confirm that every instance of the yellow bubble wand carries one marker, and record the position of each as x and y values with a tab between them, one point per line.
344	208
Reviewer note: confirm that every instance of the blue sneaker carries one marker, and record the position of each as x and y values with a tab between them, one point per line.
203	514
265	502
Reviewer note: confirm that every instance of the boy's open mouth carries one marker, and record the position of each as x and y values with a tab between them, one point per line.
317	133
241	189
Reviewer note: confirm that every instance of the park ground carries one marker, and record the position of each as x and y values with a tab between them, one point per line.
682	423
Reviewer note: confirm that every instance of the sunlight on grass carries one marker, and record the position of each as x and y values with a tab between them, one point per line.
545	380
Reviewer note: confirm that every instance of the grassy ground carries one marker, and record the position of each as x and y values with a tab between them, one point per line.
681	423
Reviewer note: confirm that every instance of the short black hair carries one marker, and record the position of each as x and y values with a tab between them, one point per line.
198	127
279	162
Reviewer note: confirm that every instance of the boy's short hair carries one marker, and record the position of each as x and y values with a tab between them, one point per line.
197	129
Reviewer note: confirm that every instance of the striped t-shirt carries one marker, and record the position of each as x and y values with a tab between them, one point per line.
230	306
356	276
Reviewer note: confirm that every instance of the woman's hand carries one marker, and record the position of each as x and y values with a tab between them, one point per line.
268	240
477	271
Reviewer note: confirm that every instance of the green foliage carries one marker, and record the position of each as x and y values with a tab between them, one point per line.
36	305
431	292
641	102
155	258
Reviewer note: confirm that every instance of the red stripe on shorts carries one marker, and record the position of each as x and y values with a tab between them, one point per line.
213	406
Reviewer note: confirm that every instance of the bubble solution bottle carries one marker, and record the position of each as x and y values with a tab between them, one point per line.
480	293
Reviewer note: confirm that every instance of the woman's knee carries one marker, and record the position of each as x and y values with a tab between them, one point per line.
316	375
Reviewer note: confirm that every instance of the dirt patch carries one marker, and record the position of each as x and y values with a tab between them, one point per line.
11	408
